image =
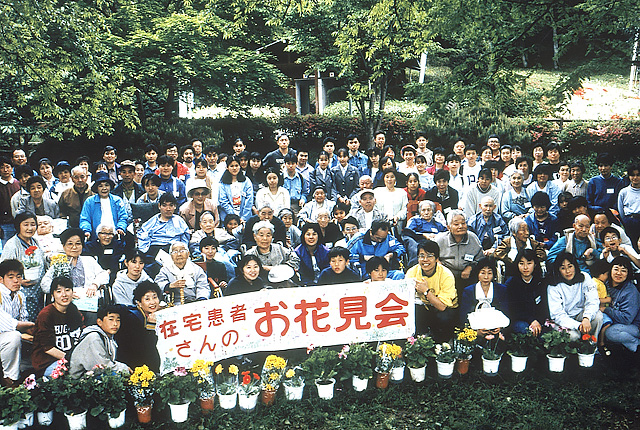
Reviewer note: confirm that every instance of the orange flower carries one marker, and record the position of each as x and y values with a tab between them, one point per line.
246	380
256	376
586	336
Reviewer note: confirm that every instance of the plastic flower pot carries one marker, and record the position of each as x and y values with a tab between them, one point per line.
144	413
359	384
117	421
518	363
247	402
382	380
556	364
462	365
27	421
397	374
293	393
490	367
325	388
227	401
45	418
586	360
77	421
418	374
445	370
12	426
268	397
179	413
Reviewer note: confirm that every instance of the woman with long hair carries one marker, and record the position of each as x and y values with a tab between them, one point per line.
235	192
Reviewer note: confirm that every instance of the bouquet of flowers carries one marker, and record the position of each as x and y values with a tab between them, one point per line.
29	261
272	372
417	350
60	266
389	356
464	342
142	386
445	353
358	360
250	383
293	377
226	382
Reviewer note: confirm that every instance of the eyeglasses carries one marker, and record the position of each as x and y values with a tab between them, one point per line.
200	194
105	233
179	251
426	256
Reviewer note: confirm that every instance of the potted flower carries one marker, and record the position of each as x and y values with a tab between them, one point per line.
520	346
322	366
272	372
141	387
178	389
464	343
227	386
293	382
389	354
248	391
556	342
416	352
31	263
586	349
445	359
202	371
492	353
72	397
108	396
16	403
43	392
357	363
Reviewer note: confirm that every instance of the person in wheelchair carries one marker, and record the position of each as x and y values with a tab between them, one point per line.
377	242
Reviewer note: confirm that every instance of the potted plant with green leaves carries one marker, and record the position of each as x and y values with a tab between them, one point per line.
16	403
492	351
72	397
227	386
388	356
109	395
248	390
178	389
293	383
586	349
464	342
445	359
520	346
357	363
43	393
417	351
322	366
557	344
272	372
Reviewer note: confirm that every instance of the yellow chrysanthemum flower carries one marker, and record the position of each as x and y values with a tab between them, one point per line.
218	369
290	373
233	369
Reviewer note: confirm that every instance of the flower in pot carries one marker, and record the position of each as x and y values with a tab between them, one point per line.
464	342
141	385
250	383
520	346
201	370
272	372
389	356
16	403
72	396
293	382
178	389
445	358
357	360
557	345
417	350
227	385
322	366
109	388
586	348
492	351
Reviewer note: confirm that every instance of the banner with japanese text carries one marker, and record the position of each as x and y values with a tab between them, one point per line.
279	319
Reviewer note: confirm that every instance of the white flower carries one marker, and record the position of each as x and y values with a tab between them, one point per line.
446	346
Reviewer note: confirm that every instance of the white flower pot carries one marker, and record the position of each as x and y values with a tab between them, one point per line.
556	364
418	374
227	401
518	363
359	384
397	374
293	393
490	367
179	413
117	421
45	418
12	426
445	370
586	360
77	421
325	391
27	421
247	402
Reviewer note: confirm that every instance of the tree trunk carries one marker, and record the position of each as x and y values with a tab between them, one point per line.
556	52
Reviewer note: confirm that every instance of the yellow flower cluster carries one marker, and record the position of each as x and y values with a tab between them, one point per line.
269	387
275	362
233	369
467	335
391	349
59	259
273	376
142	376
201	366
290	373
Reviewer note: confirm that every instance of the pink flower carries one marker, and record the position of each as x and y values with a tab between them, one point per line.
309	349
345	348
30	382
180	371
411	340
489	337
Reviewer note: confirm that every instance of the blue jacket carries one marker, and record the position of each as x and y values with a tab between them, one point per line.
91	214
359	161
603	193
298	188
316	179
307	275
545	232
362	248
489	232
625	304
224	200
175	186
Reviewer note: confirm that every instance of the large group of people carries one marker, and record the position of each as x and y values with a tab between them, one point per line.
91	251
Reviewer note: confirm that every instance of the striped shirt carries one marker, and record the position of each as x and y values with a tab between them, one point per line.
12	310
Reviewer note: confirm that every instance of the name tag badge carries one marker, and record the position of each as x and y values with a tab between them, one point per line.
434	230
538	300
496	230
447	210
610	191
108	251
176	194
468	257
527	205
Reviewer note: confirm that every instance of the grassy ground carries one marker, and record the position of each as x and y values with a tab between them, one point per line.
602	397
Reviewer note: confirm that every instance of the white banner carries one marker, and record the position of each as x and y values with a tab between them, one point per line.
279	319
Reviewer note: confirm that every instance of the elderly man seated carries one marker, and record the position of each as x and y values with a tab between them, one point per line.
579	242
184	280
376	242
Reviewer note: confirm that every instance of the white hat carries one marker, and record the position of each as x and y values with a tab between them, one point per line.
195	184
487	318
281	273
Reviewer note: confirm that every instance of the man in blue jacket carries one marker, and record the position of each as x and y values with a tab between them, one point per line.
603	190
377	242
103	208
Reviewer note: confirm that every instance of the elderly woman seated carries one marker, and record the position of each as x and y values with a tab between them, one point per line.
271	254
107	248
517	241
181	277
420	228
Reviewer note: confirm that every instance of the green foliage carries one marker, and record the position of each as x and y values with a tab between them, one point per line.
323	364
557	343
108	396
73	396
417	350
178	387
615	137
14	403
358	360
44	393
523	344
